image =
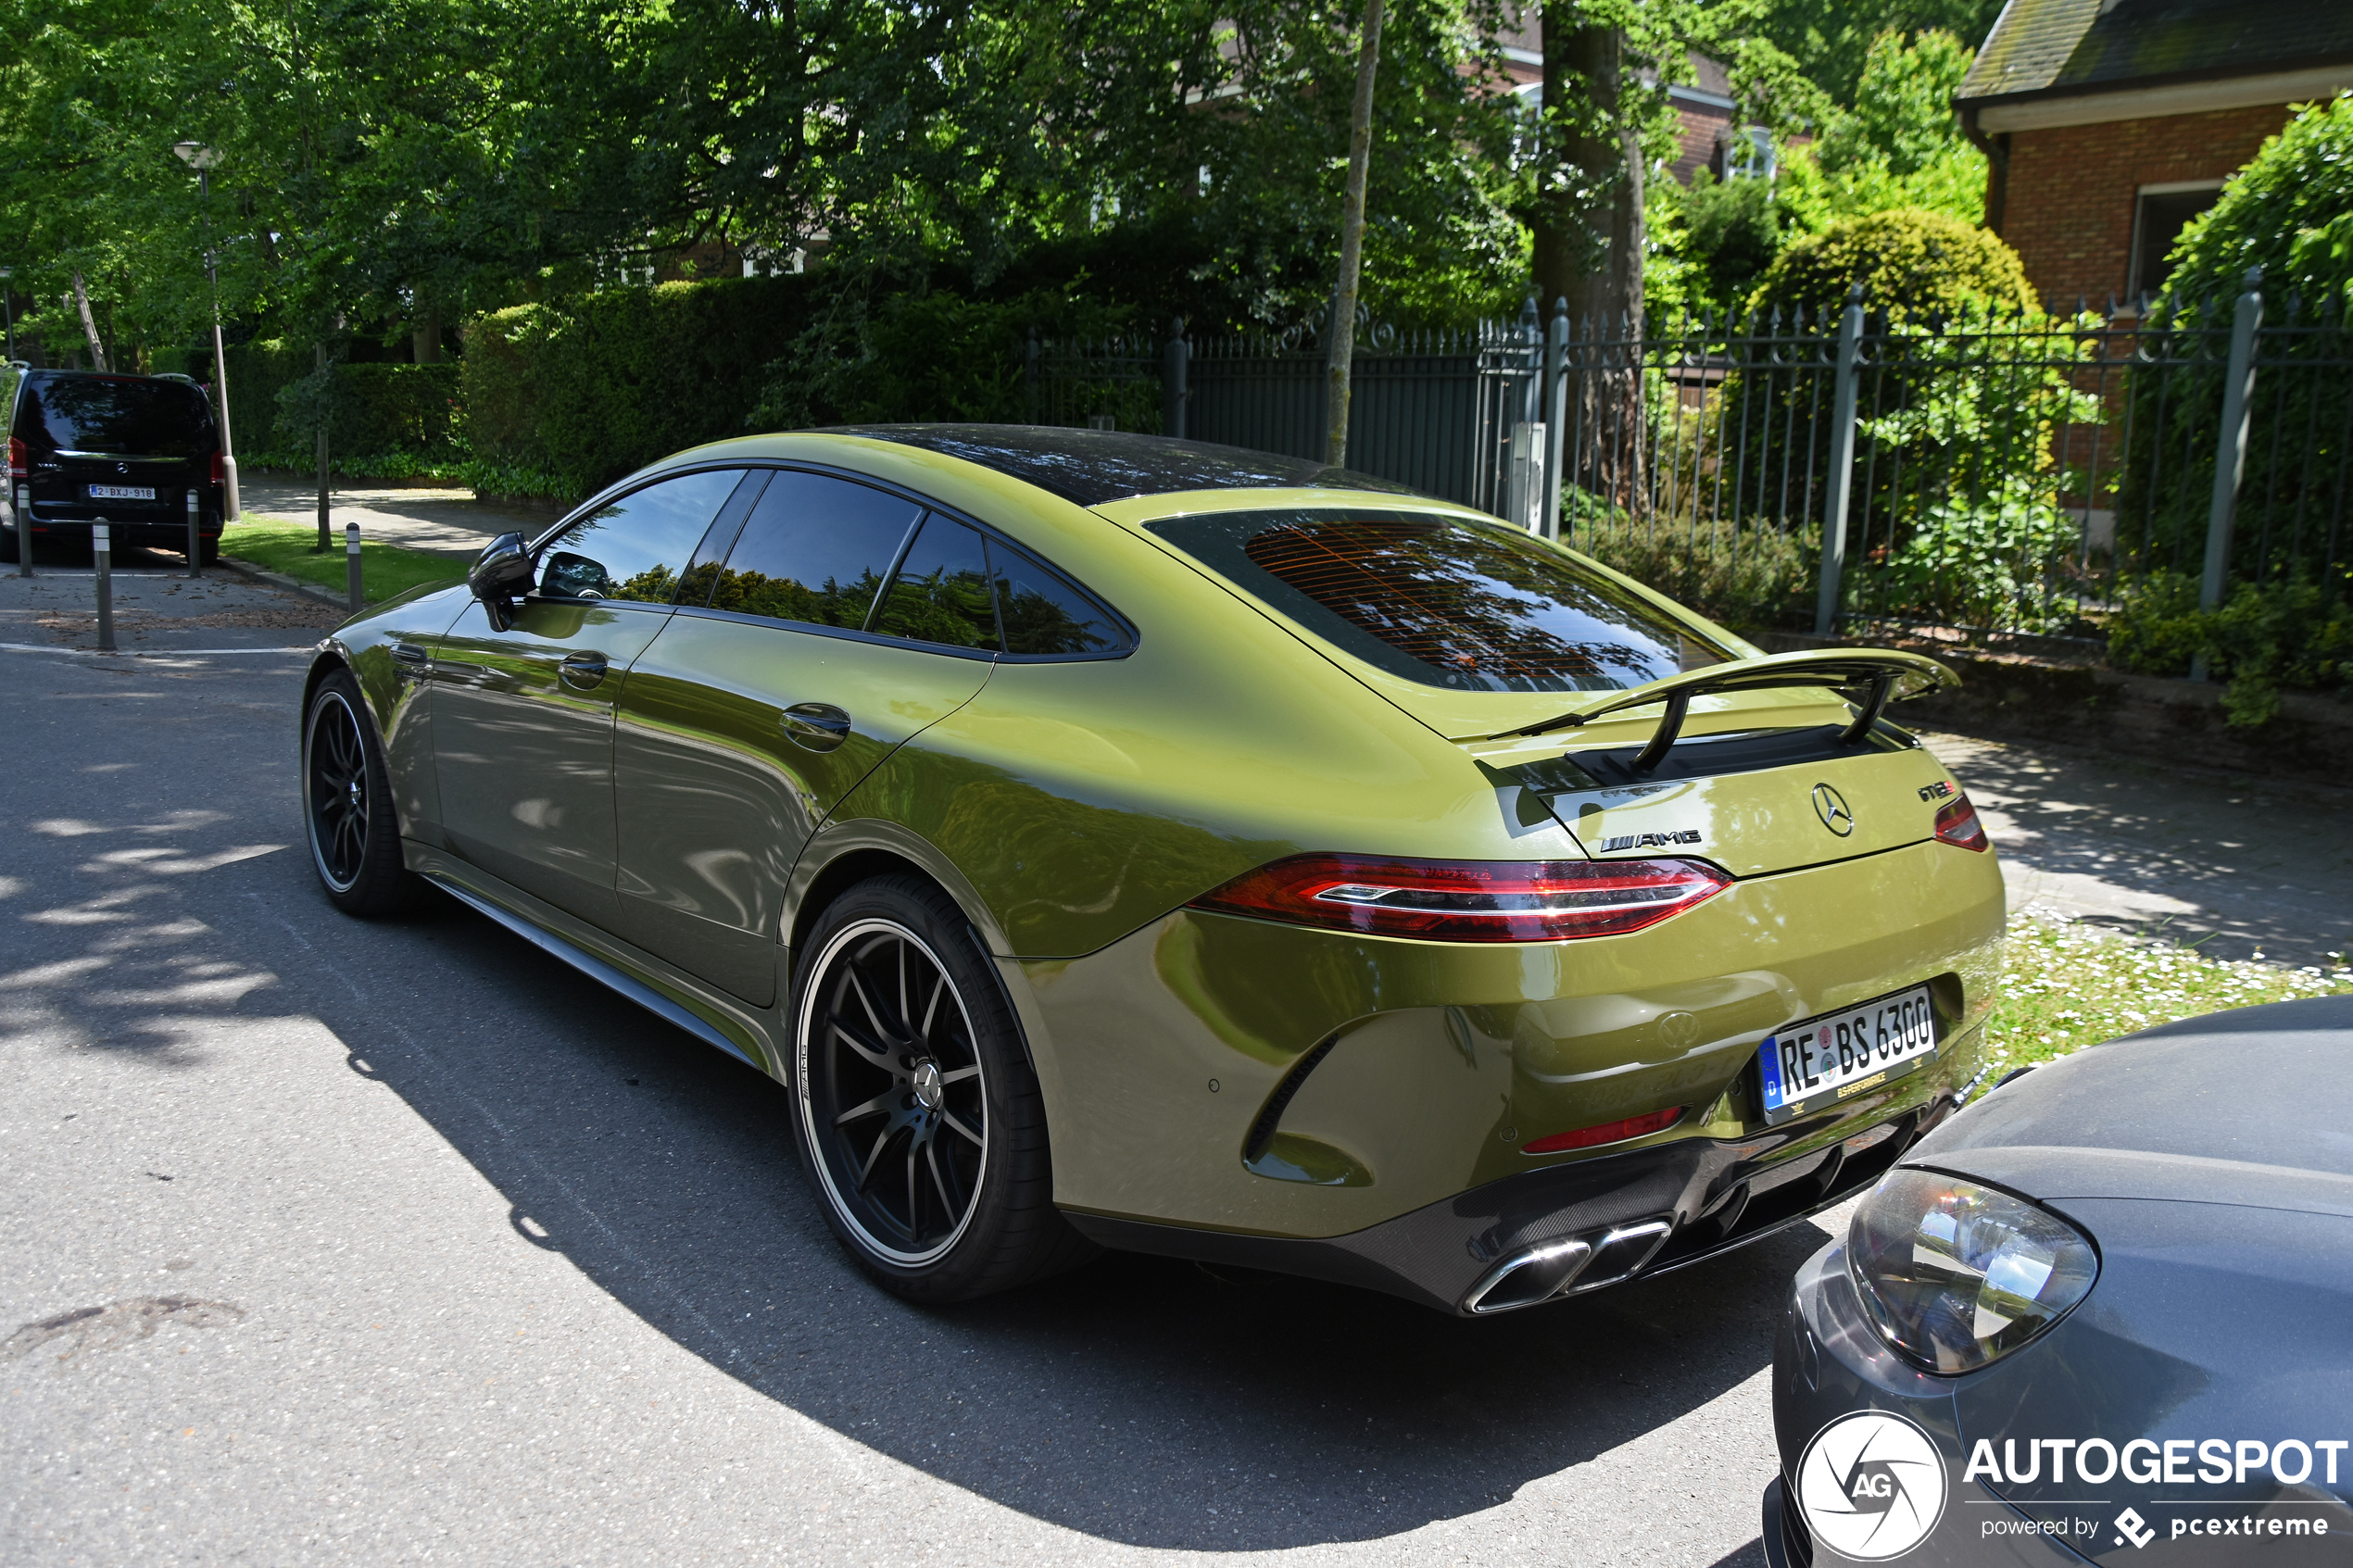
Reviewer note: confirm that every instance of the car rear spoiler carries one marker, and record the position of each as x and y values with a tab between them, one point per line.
1870	678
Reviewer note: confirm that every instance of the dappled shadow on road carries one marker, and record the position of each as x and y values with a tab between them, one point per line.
1141	1400
2238	865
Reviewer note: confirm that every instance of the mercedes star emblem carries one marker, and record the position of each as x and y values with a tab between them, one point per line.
1832	808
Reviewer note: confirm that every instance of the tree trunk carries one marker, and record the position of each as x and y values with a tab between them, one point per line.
1341	343
1588	241
89	324
425	338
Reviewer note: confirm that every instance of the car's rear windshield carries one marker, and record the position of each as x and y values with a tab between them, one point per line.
116	414
1444	600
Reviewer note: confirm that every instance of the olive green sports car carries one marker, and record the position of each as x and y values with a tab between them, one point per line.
1122	842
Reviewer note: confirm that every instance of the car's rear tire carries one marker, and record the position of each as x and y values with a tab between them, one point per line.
914	1108
347	804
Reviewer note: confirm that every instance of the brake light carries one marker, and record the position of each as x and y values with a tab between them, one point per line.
1608	1132
1956	823
1468	902
218	477
19	460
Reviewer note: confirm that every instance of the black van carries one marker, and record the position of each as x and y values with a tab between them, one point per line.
122	450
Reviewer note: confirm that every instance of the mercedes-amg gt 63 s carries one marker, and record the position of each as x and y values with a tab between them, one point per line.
1123	841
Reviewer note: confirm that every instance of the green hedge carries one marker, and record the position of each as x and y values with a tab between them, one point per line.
386	418
561	400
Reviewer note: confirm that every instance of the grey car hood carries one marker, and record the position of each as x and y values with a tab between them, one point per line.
2252	1107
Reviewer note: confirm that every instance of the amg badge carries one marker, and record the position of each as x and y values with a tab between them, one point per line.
1649	840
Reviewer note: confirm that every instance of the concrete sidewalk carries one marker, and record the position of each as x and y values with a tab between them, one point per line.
438	522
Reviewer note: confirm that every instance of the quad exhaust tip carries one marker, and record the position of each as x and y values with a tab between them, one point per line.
1569	1267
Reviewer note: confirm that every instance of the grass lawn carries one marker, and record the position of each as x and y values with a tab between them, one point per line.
385	570
2069	985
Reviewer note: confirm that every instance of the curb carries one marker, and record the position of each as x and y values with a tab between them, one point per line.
254	573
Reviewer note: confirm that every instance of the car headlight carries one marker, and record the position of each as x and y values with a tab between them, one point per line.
1955	1275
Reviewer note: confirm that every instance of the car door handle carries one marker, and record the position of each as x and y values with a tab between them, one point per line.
819	726
581	671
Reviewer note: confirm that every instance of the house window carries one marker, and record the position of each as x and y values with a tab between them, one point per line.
2159	216
1749	153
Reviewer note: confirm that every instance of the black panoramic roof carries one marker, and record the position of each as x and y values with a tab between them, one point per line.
1092	465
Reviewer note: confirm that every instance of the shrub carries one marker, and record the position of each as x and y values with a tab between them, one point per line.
1755	576
2265	636
1911	263
2289	212
1973	535
373	410
1731	231
562	400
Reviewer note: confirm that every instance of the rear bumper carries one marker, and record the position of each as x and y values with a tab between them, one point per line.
1238	1077
1516	1242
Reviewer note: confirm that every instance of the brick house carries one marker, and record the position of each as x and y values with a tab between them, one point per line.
2109	124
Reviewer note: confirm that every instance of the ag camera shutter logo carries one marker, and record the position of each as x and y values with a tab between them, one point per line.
1871	1485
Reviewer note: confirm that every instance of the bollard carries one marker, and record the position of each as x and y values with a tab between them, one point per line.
196	540
351	556
102	557
24	531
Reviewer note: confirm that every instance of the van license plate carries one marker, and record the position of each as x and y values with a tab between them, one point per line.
122	492
1826	1061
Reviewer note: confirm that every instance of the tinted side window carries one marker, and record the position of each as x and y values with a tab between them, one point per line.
816	549
1044	615
634	548
942	593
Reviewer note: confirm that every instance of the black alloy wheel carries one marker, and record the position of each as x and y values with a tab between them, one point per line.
347	813
917	1111
896	1104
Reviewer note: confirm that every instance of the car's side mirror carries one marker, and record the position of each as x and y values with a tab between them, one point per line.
500	574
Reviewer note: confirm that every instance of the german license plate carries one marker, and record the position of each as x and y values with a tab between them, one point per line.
122	492
1826	1061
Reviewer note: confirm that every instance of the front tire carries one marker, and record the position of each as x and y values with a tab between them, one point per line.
916	1110
347	804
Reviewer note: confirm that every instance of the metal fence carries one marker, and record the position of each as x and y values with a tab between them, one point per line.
1994	473
1435	410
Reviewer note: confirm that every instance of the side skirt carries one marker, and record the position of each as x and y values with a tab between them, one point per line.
642	978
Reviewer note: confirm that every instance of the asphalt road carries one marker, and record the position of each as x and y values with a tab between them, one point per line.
329	1241
386	1243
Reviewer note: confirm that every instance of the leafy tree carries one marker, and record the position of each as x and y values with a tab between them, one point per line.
1896	145
1832	40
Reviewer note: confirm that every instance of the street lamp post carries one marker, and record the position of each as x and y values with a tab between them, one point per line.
9	299
201	159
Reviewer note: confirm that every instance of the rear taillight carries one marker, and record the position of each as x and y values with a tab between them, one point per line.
19	460
1957	823
218	476
1608	1132
1468	902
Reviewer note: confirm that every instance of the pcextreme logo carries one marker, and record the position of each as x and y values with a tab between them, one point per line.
1870	1485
